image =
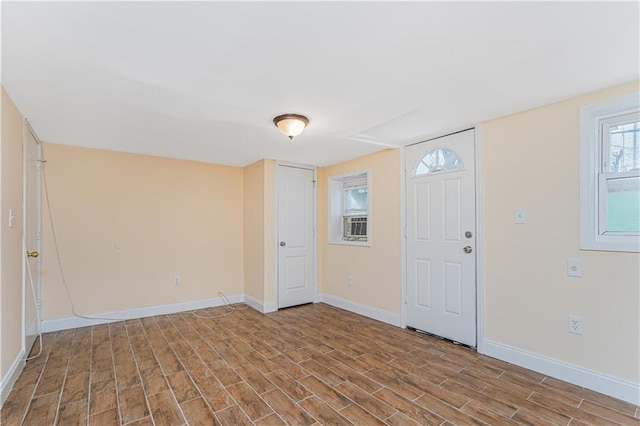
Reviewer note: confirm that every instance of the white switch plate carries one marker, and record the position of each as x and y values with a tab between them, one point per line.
520	216
574	267
177	281
11	218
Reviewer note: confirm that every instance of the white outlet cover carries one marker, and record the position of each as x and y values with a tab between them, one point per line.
574	268
520	215
575	324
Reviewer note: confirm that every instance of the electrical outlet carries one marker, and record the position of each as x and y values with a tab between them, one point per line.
574	325
177	281
520	216
349	280
574	267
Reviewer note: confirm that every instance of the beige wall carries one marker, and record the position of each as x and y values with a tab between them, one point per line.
11	248
254	230
270	232
259	232
531	160
128	223
376	270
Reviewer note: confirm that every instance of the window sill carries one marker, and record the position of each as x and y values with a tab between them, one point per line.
350	243
629	247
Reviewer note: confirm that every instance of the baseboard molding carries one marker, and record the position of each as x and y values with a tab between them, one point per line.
10	378
146	311
259	305
270	307
608	385
364	310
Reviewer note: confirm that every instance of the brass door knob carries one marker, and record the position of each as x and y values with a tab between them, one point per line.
33	254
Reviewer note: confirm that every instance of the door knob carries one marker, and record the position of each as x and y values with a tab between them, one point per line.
467	249
33	254
282	244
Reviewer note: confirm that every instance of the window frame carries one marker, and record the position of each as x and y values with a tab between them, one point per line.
352	212
592	176
337	193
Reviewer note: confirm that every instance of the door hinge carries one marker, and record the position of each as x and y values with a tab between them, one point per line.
314	183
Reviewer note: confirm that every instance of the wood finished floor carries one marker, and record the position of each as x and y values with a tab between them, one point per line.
313	364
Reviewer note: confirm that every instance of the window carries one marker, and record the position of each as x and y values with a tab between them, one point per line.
438	160
349	209
610	175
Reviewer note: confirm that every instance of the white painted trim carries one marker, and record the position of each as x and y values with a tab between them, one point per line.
273	306
333	219
477	141
260	306
146	311
364	310
479	241
30	331
403	239
603	383
11	377
254	303
270	307
590	115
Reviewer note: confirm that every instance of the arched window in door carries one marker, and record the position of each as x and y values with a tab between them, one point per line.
438	160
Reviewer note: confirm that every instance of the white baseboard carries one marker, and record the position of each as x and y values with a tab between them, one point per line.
364	310
146	311
608	385
269	307
10	378
260	306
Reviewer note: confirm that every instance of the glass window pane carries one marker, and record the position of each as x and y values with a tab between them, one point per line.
438	160
623	204
624	154
355	200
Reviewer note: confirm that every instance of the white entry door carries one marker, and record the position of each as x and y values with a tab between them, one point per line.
32	244
441	217
296	228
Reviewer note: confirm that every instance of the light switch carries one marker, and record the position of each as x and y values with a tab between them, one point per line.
11	218
520	216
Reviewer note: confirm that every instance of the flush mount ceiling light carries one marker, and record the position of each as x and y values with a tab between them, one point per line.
291	125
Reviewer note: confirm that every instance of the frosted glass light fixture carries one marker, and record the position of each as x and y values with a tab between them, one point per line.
291	125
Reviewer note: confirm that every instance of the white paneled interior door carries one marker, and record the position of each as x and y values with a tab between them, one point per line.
296	227
441	217
32	244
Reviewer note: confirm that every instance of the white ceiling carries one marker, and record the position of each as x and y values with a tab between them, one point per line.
203	80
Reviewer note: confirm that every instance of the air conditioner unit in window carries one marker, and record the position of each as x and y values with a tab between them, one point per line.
354	228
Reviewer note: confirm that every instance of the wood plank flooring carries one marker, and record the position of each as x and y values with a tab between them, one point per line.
308	365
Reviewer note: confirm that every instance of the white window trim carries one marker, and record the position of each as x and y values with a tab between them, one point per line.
335	212
590	166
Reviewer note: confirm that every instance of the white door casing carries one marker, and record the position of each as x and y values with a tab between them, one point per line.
441	235
32	212
296	253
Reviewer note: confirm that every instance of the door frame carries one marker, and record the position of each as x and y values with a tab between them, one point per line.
276	225
28	131
477	130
